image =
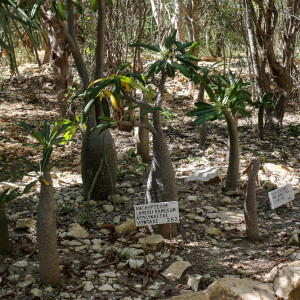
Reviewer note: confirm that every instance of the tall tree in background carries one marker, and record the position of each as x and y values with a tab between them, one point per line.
97	149
265	18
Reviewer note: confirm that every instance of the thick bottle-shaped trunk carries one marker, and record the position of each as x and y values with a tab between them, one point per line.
161	185
250	205
96	147
46	234
234	153
4	235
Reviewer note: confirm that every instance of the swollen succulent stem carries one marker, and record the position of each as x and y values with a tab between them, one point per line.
234	153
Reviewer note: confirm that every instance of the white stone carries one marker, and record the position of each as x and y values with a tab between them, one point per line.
88	286
135	263
25	223
192	198
36	293
24	284
213	231
21	264
117	219
108	274
230	288
125	227
106	287
79	198
199	219
209	174
193	282
65	295
108	207
131	252
286	280
76	230
175	270
153	242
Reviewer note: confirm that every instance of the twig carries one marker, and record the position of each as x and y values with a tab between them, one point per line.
76	288
134	288
101	266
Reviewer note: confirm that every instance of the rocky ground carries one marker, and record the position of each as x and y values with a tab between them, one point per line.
102	254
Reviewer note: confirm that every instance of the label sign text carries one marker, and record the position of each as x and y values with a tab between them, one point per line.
156	213
281	196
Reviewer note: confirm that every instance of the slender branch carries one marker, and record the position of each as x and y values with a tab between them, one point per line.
81	67
161	87
140	125
135	100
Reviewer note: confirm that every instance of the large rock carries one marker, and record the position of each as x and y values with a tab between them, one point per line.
176	269
286	280
209	174
153	242
128	226
277	168
76	230
192	296
232	288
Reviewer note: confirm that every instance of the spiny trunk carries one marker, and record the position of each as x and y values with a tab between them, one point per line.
96	147
4	235
46	234
250	205
234	153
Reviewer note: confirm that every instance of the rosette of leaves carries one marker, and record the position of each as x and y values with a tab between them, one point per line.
172	56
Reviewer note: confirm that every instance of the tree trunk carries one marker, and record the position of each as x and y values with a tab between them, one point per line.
96	147
59	60
250	205
234	153
4	235
46	234
143	146
161	185
259	66
202	128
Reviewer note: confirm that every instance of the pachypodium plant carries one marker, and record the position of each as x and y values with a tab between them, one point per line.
229	97
46	217
161	185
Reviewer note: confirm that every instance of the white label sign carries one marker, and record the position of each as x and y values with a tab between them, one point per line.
156	213
281	196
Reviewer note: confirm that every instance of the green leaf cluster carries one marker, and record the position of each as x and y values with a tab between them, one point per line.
224	93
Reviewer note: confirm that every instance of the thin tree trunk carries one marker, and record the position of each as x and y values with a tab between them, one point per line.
4	235
262	78
234	153
202	128
250	205
143	146
46	234
59	60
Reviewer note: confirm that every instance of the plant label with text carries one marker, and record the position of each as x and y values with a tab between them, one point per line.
281	196
156	213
